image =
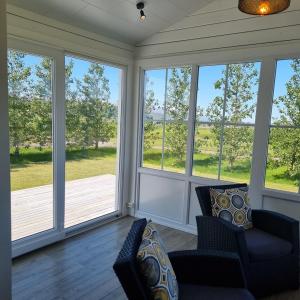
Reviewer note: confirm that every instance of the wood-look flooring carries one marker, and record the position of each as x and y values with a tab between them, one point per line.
81	267
86	199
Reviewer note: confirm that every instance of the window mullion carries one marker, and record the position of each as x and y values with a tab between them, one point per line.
192	120
59	140
261	133
223	123
164	121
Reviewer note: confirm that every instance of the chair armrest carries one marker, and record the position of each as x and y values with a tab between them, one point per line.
213	268
277	224
217	234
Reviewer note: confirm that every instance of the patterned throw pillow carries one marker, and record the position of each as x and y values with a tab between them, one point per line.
156	267
232	205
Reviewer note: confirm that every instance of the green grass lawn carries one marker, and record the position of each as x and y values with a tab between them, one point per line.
34	168
206	165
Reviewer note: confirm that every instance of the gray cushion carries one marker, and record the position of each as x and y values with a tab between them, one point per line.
195	292
263	246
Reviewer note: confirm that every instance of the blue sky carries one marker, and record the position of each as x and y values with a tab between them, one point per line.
208	75
80	68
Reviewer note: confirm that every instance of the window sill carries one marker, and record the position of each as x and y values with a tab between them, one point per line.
282	195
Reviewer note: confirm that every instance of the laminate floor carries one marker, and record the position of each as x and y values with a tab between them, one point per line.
81	267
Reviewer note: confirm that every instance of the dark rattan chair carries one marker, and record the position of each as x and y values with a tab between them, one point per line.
269	252
207	275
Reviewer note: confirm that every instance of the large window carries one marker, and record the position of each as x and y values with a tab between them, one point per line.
283	166
166	108
30	129
225	118
93	98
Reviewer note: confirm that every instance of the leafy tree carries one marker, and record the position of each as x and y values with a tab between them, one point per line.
239	80
41	122
41	106
177	108
43	83
285	142
74	134
151	133
98	116
20	90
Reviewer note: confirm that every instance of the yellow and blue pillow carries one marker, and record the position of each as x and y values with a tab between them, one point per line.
156	267
232	205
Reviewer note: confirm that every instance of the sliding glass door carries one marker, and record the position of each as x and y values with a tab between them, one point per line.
65	132
30	129
93	94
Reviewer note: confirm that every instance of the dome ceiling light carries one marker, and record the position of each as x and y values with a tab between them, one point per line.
263	7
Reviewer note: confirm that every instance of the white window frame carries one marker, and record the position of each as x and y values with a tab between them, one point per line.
70	231
224	124
257	190
164	120
58	232
270	125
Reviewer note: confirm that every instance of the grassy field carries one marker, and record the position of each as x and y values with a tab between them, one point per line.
206	165
34	168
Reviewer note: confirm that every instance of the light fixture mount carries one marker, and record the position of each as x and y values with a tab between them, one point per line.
263	7
140	6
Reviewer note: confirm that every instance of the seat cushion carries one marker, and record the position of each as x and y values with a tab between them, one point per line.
195	292
263	246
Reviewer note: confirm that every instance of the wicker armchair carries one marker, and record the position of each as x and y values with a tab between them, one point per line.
269	252
205	275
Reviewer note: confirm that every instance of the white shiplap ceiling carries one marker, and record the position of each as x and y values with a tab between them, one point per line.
116	19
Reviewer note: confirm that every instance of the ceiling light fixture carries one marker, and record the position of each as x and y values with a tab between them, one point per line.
140	6
263	7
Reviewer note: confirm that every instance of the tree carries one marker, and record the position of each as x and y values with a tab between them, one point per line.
43	83
20	92
98	116
41	104
151	133
177	108
285	142
238	85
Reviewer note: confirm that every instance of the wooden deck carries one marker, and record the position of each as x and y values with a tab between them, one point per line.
86	199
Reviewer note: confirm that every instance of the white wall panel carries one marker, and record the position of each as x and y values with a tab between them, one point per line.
220	25
286	207
163	197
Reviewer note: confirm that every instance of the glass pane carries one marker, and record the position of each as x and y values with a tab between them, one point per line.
175	148
283	164
155	88
210	94
237	153
30	128
283	167
206	151
176	122
92	138
286	109
153	133
241	94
